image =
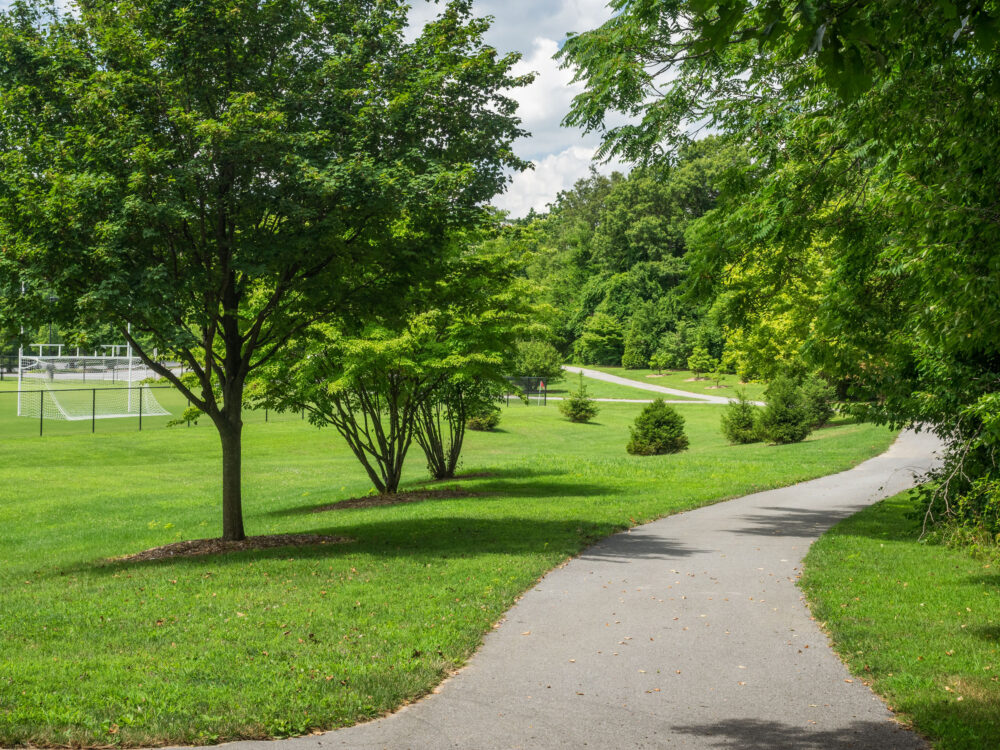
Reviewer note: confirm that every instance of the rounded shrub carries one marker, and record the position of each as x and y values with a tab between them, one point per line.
741	421
785	419
657	430
578	407
485	419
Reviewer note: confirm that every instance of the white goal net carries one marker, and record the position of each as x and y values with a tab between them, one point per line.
79	387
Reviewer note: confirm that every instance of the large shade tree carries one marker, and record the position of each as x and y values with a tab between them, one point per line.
220	174
871	190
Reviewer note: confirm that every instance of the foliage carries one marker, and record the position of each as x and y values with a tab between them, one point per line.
222	214
389	385
786	417
860	236
818	397
741	421
616	246
600	342
701	361
657	430
485	417
578	406
538	359
660	361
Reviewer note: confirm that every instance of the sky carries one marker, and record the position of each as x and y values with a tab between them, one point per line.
536	28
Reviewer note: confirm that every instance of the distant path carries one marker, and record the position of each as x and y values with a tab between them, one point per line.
598	375
688	632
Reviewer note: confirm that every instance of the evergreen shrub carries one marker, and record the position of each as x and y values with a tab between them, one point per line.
657	430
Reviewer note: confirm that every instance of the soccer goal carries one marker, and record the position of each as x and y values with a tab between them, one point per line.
80	387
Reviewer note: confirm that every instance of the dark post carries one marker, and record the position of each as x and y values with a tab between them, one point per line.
265	413
140	409
41	413
93	411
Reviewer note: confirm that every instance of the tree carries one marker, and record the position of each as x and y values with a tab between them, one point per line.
578	406
741	421
701	361
786	418
601	342
871	131
222	175
538	359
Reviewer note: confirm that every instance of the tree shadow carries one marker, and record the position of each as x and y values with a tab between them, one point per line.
421	538
756	734
624	548
796	522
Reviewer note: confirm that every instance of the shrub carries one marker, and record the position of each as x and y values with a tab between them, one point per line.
601	342
741	421
578	407
785	419
658	429
484	419
818	396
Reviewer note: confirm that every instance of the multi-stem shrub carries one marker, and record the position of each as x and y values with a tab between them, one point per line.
658	429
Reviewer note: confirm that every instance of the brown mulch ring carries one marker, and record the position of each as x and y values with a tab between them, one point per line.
398	498
198	547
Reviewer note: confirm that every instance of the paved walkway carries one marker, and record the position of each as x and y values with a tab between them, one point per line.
692	396
686	632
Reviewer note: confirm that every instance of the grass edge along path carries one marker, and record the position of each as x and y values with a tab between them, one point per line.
277	643
918	623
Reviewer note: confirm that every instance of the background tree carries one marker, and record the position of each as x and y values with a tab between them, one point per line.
223	174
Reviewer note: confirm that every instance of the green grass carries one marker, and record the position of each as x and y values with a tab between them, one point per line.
681	379
920	623
279	642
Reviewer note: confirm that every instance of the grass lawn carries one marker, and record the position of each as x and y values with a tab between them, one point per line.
920	623
681	379
279	642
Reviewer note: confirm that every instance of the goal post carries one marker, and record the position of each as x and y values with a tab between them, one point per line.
85	387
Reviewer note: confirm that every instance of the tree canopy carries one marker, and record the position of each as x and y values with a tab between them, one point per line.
864	223
224	173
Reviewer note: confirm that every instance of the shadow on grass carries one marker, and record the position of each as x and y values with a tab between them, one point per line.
798	522
432	539
489	485
756	734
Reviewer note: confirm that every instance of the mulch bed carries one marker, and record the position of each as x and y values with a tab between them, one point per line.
198	547
398	498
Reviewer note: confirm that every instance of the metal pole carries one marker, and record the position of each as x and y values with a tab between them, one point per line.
93	411
41	413
140	410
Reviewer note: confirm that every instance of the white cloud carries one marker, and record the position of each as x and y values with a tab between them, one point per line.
538	187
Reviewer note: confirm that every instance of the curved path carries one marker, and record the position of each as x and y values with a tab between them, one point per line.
618	380
686	632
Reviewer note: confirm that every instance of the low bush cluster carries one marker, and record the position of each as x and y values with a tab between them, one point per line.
794	409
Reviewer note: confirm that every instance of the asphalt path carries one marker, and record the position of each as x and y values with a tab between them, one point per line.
607	378
688	632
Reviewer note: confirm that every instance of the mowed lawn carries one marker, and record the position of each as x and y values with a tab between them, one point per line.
920	623
281	642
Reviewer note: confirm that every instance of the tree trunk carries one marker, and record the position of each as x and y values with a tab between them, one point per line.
232	479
